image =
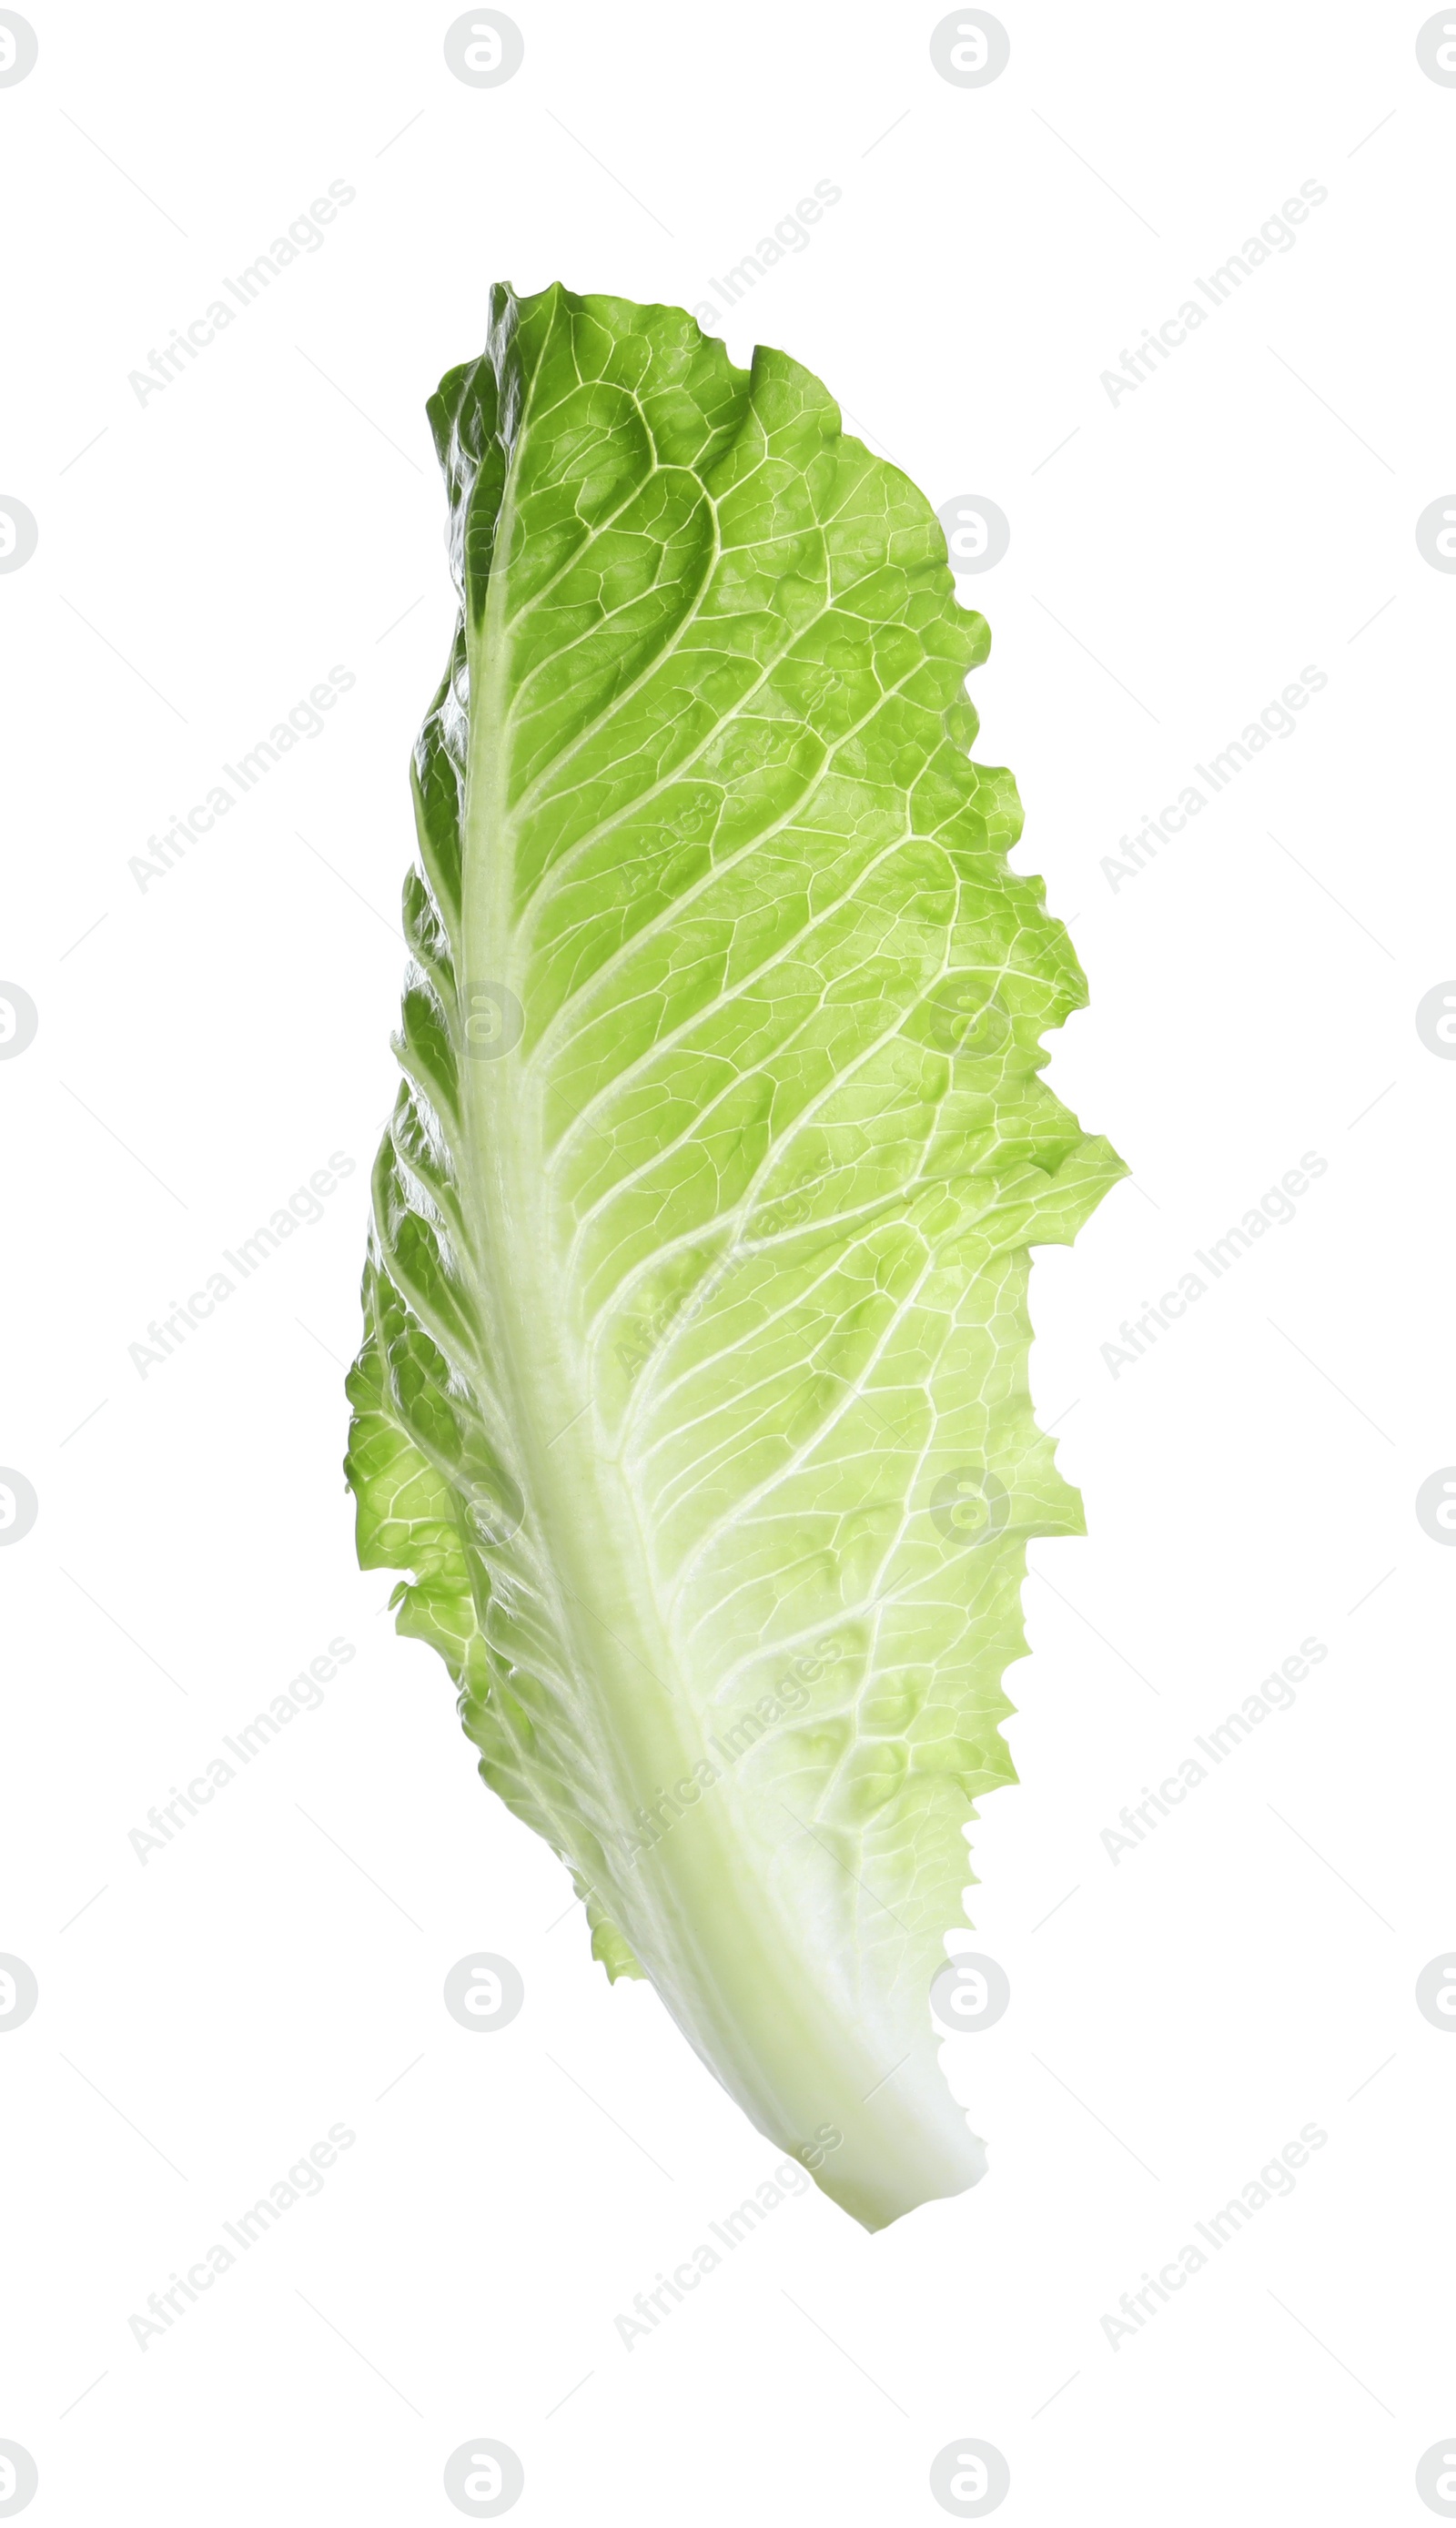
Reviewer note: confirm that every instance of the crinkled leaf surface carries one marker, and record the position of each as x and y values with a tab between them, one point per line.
694	1389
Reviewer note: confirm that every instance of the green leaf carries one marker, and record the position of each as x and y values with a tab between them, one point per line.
694	1389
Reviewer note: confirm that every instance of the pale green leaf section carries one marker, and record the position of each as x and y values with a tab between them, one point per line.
694	1389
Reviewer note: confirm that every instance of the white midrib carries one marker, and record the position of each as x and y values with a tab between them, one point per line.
748	1995
538	1367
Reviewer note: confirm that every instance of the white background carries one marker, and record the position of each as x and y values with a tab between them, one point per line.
206	1042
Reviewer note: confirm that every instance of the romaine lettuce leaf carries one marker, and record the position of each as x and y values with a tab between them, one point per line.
694	1389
